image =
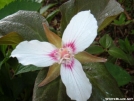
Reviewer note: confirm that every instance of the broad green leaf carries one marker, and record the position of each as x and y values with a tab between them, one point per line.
106	41
101	9
28	24
120	75
95	49
24	69
19	5
117	53
104	86
4	2
106	22
10	39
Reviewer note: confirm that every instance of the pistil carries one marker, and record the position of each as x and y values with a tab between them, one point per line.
64	55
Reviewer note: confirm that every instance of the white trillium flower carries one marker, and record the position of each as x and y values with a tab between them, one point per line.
79	34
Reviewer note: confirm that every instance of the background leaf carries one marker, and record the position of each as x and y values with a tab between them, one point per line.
117	53
24	69
28	24
52	15
105	9
125	45
4	2
106	41
11	38
95	49
104	86
19	5
46	7
120	75
6	54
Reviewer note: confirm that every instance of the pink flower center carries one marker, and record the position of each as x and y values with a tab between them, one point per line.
64	55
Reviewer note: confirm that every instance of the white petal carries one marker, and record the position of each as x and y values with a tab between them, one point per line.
77	84
34	52
80	32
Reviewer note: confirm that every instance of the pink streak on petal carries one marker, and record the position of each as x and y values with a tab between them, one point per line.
70	64
70	45
54	55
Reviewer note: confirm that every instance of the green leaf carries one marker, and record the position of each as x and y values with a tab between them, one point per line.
5	58
105	9
128	46
121	20
3	61
106	22
28	24
120	75
125	45
106	41
19	5
104	86
24	69
52	15
117	53
45	8
122	45
95	49
4	2
122	17
10	39
3	49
